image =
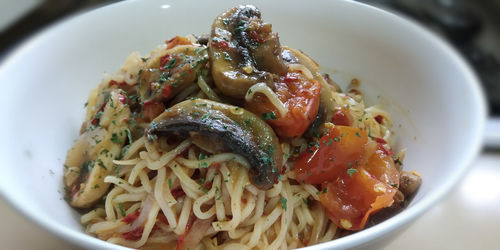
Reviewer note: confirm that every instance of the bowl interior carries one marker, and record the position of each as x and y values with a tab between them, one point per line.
435	102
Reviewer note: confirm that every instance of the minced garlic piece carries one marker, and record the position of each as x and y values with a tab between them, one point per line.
416	173
329	125
379	188
345	223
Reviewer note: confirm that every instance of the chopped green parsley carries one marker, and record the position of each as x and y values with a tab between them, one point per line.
269	116
283	203
170	64
115	139
351	171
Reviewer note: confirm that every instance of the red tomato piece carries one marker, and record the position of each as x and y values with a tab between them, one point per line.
383	146
94	121
134	234
340	148
131	217
341	116
113	82
350	200
164	60
256	36
151	110
299	94
356	181
381	165
220	44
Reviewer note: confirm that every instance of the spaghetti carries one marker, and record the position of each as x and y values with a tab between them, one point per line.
200	146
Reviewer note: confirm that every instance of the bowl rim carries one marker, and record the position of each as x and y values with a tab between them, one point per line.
357	239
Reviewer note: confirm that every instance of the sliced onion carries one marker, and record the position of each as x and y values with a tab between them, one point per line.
198	230
141	220
145	208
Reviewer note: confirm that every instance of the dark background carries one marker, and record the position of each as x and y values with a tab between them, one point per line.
473	27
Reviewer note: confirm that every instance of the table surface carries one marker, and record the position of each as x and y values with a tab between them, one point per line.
467	218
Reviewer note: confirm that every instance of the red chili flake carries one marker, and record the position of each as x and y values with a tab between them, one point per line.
180	240
102	106
176	193
340	117
379	119
131	217
166	91
134	234
176	41
189	224
113	82
256	36
151	109
208	185
96	120
216	165
164	60
283	170
244	200
354	91
172	39
305	242
382	145
386	151
147	103
220	44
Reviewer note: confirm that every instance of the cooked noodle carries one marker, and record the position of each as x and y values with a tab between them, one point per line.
187	190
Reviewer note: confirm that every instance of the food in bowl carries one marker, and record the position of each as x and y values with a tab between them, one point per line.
231	140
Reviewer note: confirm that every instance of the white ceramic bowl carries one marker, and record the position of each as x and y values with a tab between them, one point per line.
436	103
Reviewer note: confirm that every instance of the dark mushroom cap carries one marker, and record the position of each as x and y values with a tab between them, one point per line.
243	51
240	130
